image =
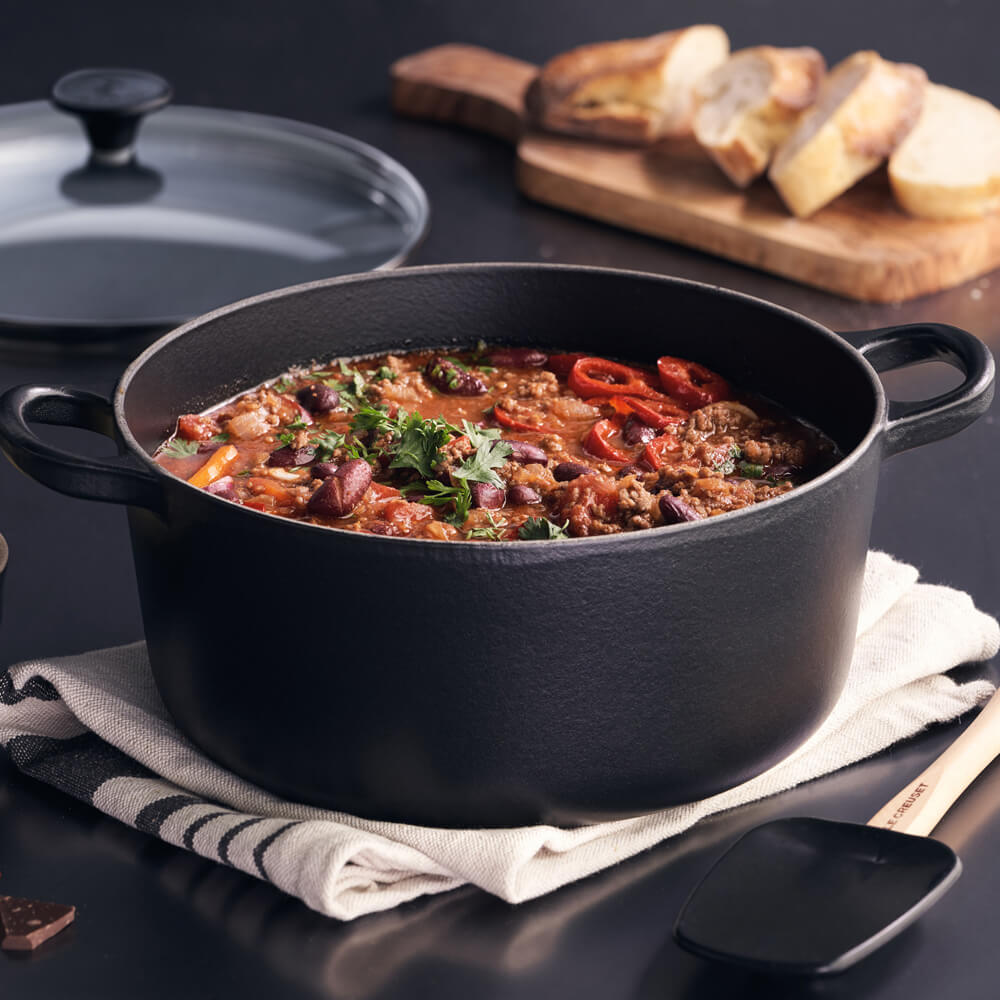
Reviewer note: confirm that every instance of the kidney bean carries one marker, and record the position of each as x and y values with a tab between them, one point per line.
448	378
486	495
521	451
519	494
565	471
318	398
339	494
224	487
636	432
630	470
517	357
287	457
676	511
323	470
779	470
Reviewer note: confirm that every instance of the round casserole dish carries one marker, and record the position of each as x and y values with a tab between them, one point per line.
470	684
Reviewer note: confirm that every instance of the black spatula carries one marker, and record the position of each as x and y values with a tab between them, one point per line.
812	897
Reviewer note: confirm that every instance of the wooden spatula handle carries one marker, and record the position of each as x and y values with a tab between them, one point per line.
464	85
918	808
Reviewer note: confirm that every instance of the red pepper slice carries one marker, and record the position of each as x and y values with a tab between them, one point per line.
503	418
658	413
264	502
691	383
619	404
614	408
600	377
562	363
596	443
656	451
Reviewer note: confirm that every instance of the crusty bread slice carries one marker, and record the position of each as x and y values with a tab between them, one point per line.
636	91
749	104
948	167
865	108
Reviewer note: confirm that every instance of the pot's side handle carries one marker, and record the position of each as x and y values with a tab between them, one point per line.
116	480
921	421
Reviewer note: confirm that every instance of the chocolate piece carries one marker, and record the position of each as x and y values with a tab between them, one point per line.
26	923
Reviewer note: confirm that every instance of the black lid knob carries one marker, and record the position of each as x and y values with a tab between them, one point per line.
111	103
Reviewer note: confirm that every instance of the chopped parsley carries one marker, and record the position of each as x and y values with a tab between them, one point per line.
297	425
451	373
751	470
726	466
352	392
493	532
326	444
420	443
486	369
542	529
436	494
358	385
478	436
179	448
287	438
490	454
376	419
417	445
414	443
283	385
385	372
219	438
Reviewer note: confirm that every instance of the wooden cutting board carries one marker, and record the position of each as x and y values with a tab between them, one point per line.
861	245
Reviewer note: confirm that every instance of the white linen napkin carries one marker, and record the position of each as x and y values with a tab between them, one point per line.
94	726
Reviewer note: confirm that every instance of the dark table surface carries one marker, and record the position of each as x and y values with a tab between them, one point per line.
157	922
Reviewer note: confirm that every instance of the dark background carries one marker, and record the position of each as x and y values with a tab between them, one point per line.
156	922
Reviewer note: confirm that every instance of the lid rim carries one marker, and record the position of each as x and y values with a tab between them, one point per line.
386	174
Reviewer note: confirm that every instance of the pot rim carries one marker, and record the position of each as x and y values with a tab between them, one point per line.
387	165
796	495
4	553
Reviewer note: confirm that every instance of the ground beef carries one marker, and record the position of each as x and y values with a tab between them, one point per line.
408	390
536	385
637	507
538	477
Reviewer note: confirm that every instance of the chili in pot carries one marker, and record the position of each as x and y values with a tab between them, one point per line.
495	445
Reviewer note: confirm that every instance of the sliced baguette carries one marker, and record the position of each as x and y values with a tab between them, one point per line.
948	167
865	108
749	104
635	91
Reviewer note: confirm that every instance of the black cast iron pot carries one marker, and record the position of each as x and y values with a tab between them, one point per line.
463	683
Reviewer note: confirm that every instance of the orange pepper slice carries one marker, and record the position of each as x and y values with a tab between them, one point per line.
221	461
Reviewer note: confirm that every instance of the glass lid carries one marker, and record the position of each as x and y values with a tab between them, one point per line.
137	224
